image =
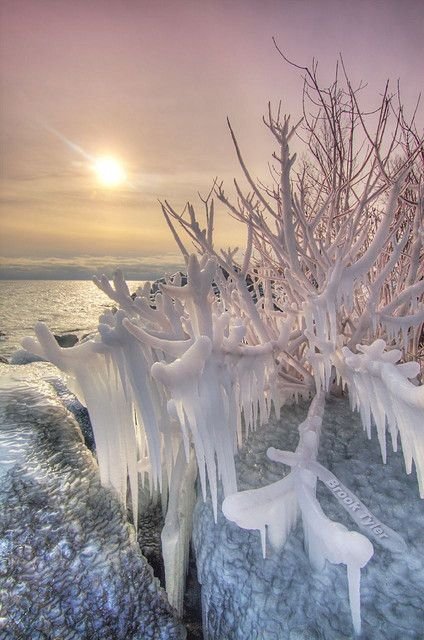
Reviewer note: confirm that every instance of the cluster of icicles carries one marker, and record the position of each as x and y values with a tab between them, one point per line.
175	385
160	378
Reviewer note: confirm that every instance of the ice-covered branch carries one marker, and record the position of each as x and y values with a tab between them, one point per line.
379	388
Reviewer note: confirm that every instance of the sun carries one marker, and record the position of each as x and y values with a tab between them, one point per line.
109	171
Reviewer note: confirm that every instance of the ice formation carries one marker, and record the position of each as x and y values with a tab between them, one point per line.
160	378
329	288
177	529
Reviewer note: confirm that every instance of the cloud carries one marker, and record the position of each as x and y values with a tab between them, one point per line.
84	267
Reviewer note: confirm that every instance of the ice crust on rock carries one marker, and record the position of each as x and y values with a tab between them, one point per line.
274	510
280	596
182	373
70	565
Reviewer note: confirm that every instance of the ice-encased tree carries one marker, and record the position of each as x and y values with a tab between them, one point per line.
332	277
329	288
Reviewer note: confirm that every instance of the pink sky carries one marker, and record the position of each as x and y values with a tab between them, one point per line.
152	83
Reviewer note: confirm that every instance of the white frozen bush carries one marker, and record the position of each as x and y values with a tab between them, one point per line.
333	263
329	288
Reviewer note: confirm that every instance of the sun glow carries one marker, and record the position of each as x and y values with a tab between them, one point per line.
109	171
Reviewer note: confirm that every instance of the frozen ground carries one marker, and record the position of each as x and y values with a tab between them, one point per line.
245	597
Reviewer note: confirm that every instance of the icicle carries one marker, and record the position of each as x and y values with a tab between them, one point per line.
382	389
177	530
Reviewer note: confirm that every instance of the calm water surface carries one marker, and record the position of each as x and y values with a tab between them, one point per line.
66	306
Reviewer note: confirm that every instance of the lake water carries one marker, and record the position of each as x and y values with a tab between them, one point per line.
66	306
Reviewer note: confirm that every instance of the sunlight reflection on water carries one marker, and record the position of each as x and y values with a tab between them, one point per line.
66	306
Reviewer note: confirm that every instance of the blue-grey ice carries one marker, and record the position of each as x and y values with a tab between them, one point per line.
246	596
70	566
